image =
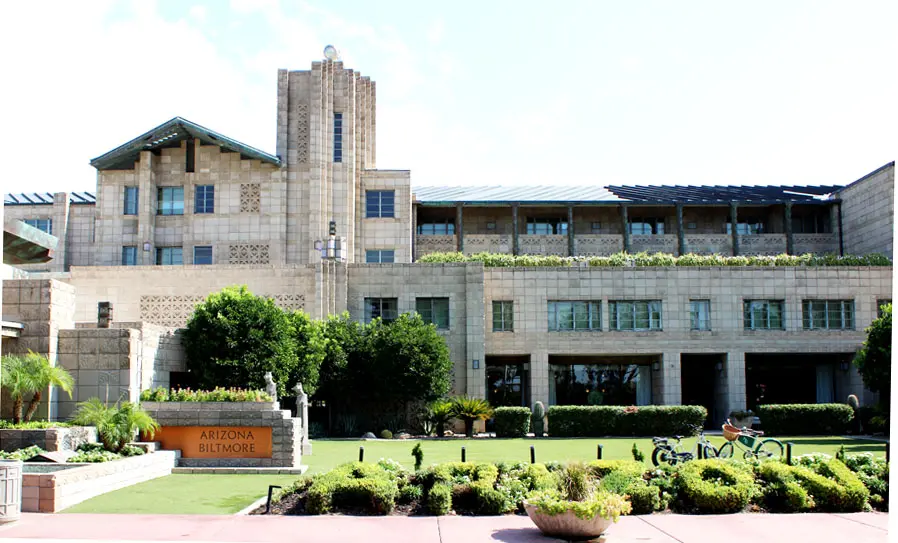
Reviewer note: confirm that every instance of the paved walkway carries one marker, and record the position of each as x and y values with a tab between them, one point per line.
659	528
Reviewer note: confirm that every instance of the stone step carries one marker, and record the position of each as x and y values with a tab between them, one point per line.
298	470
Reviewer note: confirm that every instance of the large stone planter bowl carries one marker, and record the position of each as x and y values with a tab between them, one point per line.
568	525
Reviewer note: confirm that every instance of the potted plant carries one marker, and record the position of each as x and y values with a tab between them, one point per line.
578	511
742	418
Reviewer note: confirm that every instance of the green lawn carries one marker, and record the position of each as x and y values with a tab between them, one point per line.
227	494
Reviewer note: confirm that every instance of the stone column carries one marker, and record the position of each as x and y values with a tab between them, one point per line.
570	232
414	232
681	233
734	371
539	377
670	379
515	239
146	209
459	228
734	222
624	220
835	211
474	384
787	218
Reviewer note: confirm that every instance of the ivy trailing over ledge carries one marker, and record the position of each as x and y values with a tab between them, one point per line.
621	260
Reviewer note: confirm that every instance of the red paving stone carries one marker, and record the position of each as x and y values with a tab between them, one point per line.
664	528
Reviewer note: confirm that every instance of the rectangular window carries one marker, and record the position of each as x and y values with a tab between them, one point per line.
879	304
205	199
131	200
202	254
169	256
546	227
441	228
575	316
700	314
636	315
646	226
41	224
380	256
503	316
763	315
827	314
129	255
379	203
434	311
171	201
815	221
747	226
386	309
338	137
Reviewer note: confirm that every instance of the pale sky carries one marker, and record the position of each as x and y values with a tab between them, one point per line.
471	93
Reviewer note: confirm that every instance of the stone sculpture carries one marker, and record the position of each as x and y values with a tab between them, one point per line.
302	411
270	387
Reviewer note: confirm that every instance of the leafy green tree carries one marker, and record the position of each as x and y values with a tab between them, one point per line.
344	341
234	337
874	360
31	374
404	361
117	424
311	345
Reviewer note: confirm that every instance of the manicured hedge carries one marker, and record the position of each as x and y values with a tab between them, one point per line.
355	485
714	486
805	419
612	420
501	260
511	421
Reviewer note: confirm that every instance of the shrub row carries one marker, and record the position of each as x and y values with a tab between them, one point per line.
512	421
805	419
604	420
713	486
218	394
657	259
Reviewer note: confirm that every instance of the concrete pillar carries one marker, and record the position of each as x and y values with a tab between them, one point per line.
570	231
515	232
625	227
681	232
539	377
787	218
459	228
60	228
734	372
146	209
474	384
835	212
670	375
414	232
734	221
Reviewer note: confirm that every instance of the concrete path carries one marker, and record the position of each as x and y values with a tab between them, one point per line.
659	528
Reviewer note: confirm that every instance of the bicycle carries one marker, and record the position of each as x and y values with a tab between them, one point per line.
749	443
665	453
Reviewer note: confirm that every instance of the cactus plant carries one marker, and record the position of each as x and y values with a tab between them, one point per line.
539	419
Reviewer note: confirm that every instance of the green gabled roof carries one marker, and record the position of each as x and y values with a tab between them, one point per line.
170	134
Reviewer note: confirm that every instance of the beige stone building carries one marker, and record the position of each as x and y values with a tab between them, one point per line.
182	211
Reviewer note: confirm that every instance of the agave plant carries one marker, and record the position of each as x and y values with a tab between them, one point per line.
438	414
31	374
117	424
469	410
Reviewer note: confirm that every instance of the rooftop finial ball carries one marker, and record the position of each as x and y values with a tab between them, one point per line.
330	52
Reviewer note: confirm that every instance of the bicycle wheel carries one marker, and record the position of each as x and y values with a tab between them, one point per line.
710	451
663	455
726	450
769	449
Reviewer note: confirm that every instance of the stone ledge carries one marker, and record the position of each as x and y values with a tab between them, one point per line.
299	470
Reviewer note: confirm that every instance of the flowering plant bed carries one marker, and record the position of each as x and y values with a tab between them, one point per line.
215	395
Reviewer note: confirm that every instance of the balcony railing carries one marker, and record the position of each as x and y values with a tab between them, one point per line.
709	244
815	243
490	243
762	244
598	244
662	243
532	244
426	244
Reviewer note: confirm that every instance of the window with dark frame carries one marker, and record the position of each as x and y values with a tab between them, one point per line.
437	228
338	137
131	200
171	201
574	316
700	314
44	225
636	315
541	226
646	226
503	316
434	311
379	204
205	199
386	309
763	315
129	255
380	256
202	254
827	314
169	256
747	226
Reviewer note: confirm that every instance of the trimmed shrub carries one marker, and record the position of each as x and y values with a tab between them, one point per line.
781	491
837	488
644	498
511	421
604	420
874	473
714	486
439	499
386	434
455	471
410	494
805	419
366	486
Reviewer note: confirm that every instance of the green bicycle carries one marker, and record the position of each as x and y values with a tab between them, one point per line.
749	443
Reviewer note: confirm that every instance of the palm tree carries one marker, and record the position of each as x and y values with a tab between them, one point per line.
117	424
469	410
31	374
439	414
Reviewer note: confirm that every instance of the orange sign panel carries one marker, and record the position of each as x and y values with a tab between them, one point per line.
217	441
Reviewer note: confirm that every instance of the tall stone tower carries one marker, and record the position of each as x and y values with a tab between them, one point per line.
325	137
